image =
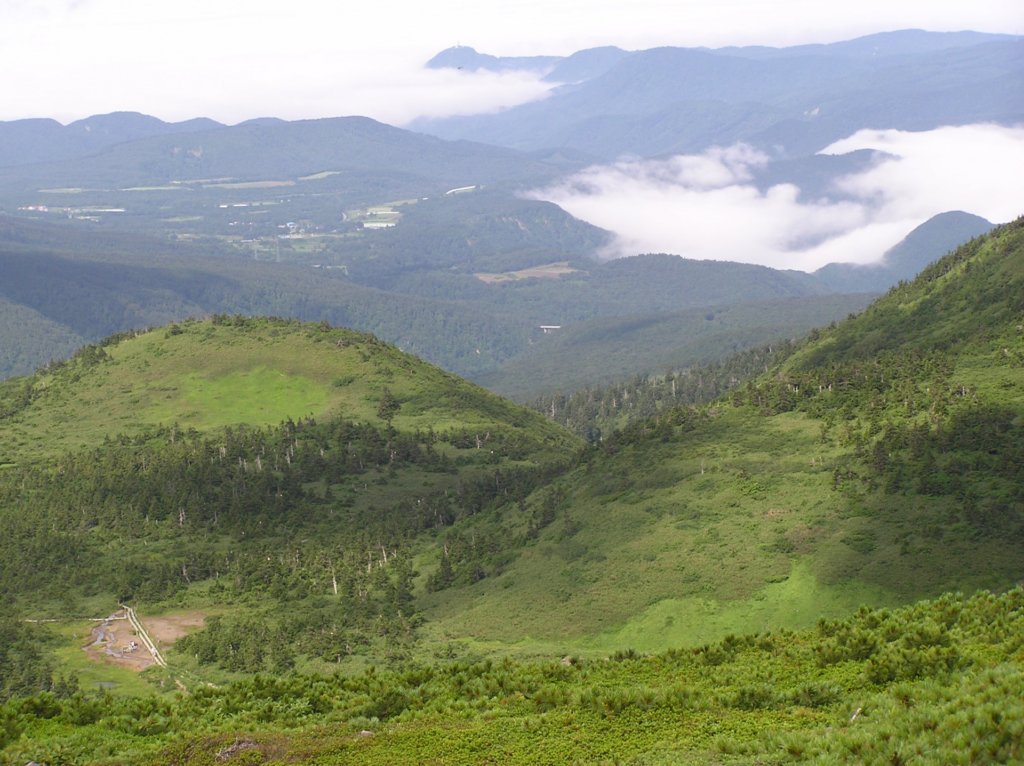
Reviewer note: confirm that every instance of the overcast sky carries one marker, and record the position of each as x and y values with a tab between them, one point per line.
233	60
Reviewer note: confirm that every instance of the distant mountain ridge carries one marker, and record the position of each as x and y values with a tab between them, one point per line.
894	43
796	100
277	149
24	142
582	65
464	57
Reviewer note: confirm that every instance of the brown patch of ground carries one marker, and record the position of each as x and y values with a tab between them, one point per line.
168	628
114	641
802	537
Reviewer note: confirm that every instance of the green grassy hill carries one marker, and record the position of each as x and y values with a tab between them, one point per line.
880	463
229	371
247	469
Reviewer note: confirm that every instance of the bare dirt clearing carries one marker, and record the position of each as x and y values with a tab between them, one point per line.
168	628
115	642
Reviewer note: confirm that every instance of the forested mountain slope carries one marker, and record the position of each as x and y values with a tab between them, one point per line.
611	350
238	453
430	527
456	297
93	283
879	463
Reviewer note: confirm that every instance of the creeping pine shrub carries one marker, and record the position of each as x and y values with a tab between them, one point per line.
551	696
897	663
925	651
815	694
847	643
755	697
386	705
615	701
715	654
10	726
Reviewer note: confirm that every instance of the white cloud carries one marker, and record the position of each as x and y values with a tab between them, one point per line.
976	167
705	206
233	61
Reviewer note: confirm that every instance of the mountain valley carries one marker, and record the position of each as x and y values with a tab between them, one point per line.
875	464
264	499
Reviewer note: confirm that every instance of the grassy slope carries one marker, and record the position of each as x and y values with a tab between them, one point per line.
738	522
203	375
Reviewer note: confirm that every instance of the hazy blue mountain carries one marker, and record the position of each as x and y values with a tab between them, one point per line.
815	174
464	57
40	140
591	62
262	121
582	65
895	43
118	127
924	245
954	87
586	64
670	100
392	159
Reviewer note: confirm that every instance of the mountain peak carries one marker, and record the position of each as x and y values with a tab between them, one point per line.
925	244
467	58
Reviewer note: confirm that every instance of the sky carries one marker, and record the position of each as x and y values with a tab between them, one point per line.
233	60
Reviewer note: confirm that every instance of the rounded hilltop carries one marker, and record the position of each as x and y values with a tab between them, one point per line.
222	371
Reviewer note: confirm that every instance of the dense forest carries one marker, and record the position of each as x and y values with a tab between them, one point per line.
595	411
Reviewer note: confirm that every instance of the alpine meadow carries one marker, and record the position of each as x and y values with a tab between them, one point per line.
669	415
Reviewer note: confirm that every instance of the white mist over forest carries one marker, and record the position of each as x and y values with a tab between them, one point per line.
707	206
